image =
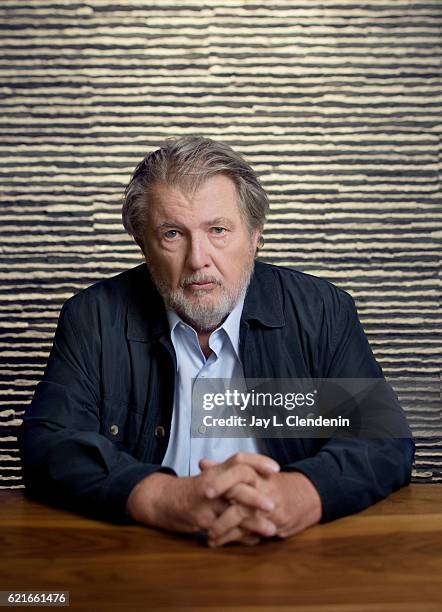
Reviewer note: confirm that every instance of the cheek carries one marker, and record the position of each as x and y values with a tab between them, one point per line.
164	264
234	266
245	253
172	267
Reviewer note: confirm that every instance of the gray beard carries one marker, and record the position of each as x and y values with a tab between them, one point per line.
203	317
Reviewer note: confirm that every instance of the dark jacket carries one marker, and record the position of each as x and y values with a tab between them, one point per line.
99	421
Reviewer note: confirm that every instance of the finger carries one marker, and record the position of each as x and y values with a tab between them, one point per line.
219	505
249	540
205	464
218	482
231	536
236	533
207	512
239	536
238	515
227	521
261	463
256	523
251	497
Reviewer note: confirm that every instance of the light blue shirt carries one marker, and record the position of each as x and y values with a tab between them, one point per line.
184	452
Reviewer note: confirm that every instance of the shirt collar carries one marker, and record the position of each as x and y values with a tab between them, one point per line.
173	319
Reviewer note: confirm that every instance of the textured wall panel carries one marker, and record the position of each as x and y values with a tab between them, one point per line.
336	104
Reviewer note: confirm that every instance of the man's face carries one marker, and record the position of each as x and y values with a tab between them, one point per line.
199	250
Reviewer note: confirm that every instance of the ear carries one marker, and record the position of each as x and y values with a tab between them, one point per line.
257	238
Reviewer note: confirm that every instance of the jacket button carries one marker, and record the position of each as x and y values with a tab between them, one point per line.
114	429
160	432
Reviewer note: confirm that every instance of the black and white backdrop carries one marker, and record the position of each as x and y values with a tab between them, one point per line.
337	105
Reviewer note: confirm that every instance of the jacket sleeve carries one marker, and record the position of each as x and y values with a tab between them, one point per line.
66	460
352	473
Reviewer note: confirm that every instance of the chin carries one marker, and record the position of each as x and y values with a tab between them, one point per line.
202	297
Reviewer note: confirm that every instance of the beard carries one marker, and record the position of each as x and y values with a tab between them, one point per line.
199	311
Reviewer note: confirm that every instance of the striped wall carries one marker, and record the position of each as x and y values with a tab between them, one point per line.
336	104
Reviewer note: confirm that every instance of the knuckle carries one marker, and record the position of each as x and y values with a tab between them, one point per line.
238	458
249	473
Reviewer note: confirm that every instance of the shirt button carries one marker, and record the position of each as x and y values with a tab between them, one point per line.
114	429
202	429
160	432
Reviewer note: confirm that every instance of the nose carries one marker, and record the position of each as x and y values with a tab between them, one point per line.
198	255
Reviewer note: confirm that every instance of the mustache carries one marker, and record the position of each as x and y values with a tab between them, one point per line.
199	278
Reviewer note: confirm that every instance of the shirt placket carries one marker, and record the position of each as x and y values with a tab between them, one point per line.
197	443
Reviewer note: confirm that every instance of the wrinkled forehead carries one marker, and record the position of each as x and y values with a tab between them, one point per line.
216	196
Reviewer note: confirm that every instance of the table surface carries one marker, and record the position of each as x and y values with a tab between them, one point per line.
385	558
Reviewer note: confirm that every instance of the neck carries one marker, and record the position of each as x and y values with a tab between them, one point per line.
203	338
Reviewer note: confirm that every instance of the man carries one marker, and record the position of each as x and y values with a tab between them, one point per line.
108	431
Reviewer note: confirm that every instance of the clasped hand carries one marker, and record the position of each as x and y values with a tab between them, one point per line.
266	503
241	499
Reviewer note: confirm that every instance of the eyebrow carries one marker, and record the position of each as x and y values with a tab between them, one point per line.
221	221
176	224
168	225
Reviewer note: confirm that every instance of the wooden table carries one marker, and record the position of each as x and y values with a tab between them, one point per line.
385	558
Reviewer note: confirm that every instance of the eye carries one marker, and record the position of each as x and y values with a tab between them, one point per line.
170	234
219	231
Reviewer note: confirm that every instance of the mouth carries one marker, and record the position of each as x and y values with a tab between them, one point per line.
204	284
201	286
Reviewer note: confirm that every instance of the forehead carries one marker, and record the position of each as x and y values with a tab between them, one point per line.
215	197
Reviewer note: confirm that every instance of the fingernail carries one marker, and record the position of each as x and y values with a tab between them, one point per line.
268	505
270	529
273	467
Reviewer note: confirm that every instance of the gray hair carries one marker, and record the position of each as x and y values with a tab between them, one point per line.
187	162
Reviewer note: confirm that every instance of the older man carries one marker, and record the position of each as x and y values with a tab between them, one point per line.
108	431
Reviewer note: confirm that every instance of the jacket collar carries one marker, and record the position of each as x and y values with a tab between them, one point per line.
263	301
147	318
